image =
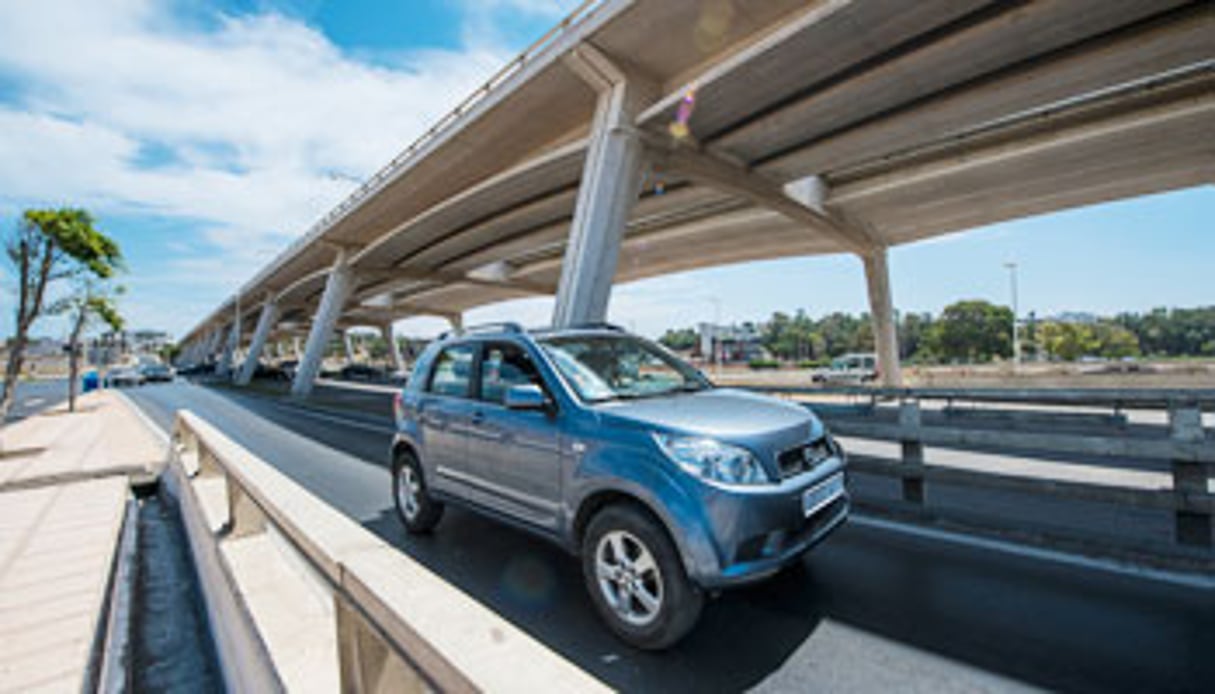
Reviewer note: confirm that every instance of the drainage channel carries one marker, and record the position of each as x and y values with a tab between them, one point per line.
159	637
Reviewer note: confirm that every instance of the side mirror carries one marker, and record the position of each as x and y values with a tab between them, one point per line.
526	397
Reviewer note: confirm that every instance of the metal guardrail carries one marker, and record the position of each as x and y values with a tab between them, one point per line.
390	624
1183	448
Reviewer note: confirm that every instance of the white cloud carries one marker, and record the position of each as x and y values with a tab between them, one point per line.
250	127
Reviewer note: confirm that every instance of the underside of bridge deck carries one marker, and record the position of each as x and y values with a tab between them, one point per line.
811	128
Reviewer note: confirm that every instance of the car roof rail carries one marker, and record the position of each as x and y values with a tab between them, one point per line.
591	325
501	327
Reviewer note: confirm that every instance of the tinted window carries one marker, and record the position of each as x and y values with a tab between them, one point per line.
607	367
505	365
453	371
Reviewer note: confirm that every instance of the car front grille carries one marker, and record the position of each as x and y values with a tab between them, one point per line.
803	458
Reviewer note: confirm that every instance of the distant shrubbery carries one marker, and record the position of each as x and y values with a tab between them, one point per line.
978	331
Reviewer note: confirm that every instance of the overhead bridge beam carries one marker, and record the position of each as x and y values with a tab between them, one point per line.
397	276
716	173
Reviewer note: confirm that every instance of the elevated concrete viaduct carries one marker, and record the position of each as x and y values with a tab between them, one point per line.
843	126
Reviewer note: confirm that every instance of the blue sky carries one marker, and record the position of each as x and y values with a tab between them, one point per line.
207	135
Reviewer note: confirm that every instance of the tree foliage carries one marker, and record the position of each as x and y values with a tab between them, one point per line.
679	339
50	245
972	330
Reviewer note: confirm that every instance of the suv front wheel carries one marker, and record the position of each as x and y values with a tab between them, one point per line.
636	579
416	509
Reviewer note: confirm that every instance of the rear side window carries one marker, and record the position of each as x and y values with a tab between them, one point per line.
504	365
452	374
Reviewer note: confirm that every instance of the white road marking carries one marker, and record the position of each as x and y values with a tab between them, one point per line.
1188	580
153	427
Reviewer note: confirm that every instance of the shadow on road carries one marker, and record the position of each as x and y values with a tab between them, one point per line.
743	637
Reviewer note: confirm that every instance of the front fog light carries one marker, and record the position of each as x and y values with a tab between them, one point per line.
712	460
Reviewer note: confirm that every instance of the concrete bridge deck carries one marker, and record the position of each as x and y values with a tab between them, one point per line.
878	605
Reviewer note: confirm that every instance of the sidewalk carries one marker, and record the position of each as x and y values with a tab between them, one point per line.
64	483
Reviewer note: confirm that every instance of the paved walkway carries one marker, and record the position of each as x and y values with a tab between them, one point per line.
64	483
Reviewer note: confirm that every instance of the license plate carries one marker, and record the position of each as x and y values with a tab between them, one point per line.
822	494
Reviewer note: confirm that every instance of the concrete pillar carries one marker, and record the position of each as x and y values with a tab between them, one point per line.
456	320
212	342
881	309
611	182
296	353
225	359
348	344
394	350
337	291
265	323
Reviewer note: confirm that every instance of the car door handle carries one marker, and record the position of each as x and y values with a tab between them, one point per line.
478	417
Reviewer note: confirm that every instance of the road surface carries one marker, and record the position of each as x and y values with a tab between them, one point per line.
871	609
32	397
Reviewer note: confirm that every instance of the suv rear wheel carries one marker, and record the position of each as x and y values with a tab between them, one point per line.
636	579
417	510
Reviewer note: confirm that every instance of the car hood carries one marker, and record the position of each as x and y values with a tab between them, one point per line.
723	413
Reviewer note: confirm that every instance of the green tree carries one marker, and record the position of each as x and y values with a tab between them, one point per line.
681	339
92	299
973	330
1069	341
47	246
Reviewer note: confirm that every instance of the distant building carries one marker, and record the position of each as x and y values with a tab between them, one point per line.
730	343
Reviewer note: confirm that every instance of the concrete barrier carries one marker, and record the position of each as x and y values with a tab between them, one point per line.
302	597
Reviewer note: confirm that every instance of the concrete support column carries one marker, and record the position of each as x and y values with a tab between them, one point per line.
348	344
225	359
611	182
296	353
212	344
881	308
337	291
265	323
394	350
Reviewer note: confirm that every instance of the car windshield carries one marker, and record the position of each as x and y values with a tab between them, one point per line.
610	367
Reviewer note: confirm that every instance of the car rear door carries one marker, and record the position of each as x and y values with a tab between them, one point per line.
516	453
444	415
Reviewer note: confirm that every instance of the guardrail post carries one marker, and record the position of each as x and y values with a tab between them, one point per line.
1192	528
366	662
244	516
913	449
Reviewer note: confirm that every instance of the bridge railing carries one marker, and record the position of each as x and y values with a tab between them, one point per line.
302	597
1081	427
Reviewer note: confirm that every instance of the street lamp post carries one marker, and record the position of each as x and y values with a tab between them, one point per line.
1012	281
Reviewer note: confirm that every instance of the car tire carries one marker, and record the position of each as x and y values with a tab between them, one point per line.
648	603
418	511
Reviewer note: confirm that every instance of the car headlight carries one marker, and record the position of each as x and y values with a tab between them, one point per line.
712	461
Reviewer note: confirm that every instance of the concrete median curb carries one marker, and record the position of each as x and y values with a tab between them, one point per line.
344	609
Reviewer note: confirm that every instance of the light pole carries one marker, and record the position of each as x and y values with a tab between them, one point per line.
713	343
1012	281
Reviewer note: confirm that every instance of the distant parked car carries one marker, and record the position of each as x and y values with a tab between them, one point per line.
287	368
362	372
124	376
157	373
269	372
848	369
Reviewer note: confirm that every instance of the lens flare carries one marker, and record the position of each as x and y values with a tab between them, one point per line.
679	127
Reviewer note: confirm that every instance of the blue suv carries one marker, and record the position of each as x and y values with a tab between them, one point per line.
606	443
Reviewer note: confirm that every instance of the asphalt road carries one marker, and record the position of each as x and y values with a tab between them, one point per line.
32	397
872	608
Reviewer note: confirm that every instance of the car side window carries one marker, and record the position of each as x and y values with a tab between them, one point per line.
452	372
504	365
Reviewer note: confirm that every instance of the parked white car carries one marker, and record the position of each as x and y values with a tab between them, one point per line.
848	369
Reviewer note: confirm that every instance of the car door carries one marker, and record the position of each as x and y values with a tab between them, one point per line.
516	453
444	415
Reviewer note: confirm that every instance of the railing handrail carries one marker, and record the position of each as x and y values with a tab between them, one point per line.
436	631
1146	398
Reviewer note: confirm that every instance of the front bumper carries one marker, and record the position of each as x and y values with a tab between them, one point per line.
755	533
